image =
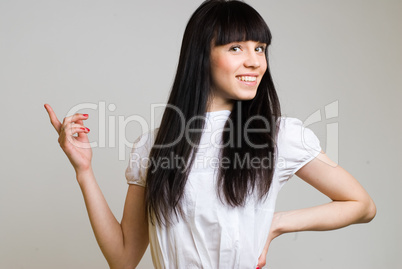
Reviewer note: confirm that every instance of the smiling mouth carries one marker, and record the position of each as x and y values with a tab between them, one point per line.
247	78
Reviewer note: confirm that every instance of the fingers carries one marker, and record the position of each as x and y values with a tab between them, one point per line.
71	125
78	120
75	128
74	118
82	135
67	135
53	119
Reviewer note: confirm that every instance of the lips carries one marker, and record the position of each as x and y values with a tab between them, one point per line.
246	82
248	79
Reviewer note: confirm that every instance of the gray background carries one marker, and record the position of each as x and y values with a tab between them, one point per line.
125	53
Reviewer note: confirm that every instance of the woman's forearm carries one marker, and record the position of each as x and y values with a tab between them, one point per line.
107	229
334	215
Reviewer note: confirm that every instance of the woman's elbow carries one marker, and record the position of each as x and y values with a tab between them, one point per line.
369	212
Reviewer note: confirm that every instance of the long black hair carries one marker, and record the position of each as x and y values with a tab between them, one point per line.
221	22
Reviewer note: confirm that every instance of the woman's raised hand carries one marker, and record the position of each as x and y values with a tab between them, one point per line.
77	148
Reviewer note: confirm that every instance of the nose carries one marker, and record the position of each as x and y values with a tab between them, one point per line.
252	60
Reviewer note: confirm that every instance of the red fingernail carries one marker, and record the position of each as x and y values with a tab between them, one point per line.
88	129
83	128
258	267
85	115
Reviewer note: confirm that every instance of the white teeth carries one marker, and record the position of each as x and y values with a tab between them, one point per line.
246	78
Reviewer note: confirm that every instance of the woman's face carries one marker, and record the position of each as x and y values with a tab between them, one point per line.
236	70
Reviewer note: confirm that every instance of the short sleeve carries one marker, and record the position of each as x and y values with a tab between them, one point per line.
297	145
139	159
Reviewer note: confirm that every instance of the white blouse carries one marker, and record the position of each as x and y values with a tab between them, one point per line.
214	235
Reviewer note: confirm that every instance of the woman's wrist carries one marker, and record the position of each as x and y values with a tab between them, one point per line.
276	226
83	174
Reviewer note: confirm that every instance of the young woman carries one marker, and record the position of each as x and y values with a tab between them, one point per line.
205	195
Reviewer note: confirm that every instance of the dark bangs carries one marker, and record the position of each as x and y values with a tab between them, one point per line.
237	21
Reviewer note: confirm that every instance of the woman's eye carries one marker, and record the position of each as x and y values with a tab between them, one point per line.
235	48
